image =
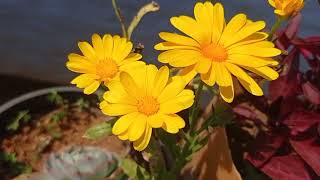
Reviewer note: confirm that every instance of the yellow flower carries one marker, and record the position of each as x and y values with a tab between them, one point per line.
103	62
286	8
214	49
146	98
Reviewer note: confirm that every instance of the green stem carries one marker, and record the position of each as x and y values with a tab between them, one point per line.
195	106
120	18
275	27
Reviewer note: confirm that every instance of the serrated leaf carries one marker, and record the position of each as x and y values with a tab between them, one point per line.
99	130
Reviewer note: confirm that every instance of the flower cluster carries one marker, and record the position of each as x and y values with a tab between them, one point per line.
286	8
146	97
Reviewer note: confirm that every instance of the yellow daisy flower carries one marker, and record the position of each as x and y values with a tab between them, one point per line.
286	8
216	50
146	98
103	62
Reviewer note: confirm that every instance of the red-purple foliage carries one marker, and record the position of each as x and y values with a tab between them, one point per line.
288	167
290	148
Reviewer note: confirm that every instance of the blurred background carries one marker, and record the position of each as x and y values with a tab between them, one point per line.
37	35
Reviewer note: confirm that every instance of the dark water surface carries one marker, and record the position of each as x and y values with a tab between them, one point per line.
37	35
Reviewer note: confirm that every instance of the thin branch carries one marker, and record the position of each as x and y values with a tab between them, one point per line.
150	7
120	18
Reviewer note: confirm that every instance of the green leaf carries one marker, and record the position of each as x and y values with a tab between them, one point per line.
82	104
55	98
222	115
111	169
8	157
129	167
122	176
58	116
99	130
133	170
15	167
22	116
142	174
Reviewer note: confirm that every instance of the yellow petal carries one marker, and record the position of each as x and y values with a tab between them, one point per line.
235	24
98	46
119	45
204	18
169	45
137	128
265	72
188	74
218	22
81	66
254	51
131	57
250	61
143	142
176	104
84	80
223	77
246	81
210	77
92	87
124	136
280	12
125	51
107	45
152	71
79	59
131	66
87	51
203	65
227	93
178	39
116	109
117	94
155	121
255	37
173	123
189	26
160	81
245	32
271	2
123	123
176	85
179	57
129	85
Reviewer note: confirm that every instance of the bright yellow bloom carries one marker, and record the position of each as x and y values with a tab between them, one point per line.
103	62
146	98
286	8
216	50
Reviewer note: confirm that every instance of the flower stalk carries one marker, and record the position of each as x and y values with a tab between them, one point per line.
195	107
275	27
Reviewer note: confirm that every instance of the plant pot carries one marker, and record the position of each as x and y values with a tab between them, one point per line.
44	133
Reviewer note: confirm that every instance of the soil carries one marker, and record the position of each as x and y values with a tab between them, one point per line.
35	142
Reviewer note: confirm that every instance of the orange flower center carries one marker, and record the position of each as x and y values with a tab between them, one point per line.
215	52
106	69
148	105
